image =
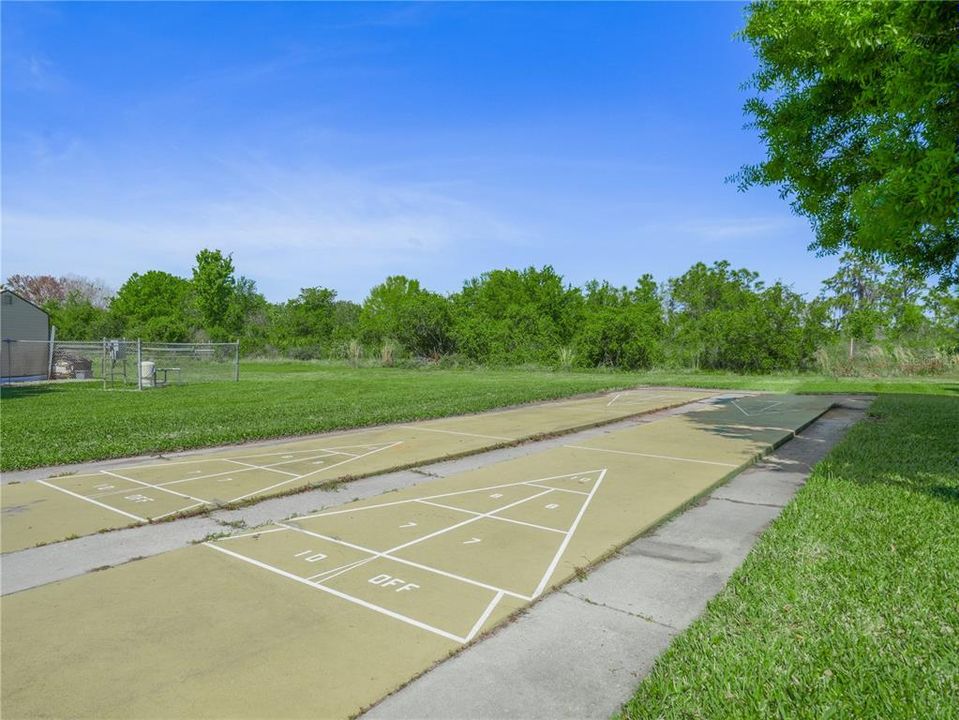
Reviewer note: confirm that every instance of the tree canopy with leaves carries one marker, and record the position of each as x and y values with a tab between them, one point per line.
858	106
154	306
214	286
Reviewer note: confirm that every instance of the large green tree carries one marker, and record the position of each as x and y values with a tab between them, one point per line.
620	327
154	306
401	309
214	289
854	295
516	316
858	106
943	307
77	318
728	319
305	325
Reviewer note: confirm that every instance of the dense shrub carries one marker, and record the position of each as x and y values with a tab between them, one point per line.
511	317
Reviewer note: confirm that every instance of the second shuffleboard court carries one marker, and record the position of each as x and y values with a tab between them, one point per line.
146	492
79	504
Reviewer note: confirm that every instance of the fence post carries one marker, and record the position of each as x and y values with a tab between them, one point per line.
236	362
139	362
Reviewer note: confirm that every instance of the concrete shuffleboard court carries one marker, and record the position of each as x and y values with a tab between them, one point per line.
325	614
42	511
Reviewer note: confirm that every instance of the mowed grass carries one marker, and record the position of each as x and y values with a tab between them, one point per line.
848	607
58	423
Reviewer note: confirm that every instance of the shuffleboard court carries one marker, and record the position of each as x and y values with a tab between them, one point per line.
73	505
322	615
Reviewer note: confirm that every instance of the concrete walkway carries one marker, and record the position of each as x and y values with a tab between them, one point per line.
581	651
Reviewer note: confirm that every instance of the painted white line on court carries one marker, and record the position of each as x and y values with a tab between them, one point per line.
340	569
454	432
484	617
251	534
270	468
769	407
565	490
169	463
234	471
262	467
91	500
757	412
513	484
156	487
323	453
411	563
321	536
450	494
569	536
443	531
651	455
642	398
350	510
493	517
756	427
342	595
401	502
314	472
174	512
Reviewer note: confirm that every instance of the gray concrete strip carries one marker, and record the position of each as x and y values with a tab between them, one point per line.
669	576
526	670
581	652
32	567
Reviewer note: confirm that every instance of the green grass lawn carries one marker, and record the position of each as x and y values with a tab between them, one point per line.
848	607
61	423
53	424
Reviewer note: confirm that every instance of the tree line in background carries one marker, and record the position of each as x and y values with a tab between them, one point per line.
869	317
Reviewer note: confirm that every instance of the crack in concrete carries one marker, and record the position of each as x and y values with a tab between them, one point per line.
425	473
638	616
747	502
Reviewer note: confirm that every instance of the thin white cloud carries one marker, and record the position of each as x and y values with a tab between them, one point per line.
33	72
287	230
728	229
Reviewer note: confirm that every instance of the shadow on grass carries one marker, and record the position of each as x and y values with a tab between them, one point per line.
903	478
12	392
907	441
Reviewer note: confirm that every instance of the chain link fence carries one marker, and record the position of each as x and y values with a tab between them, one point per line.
119	364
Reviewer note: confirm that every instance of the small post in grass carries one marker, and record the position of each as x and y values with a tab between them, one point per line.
236	361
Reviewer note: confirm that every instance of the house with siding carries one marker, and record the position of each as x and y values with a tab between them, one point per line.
22	324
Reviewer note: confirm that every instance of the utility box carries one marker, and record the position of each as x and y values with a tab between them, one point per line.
148	370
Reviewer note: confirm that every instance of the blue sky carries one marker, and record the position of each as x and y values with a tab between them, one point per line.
336	144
